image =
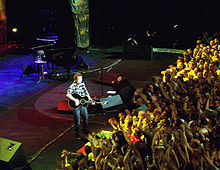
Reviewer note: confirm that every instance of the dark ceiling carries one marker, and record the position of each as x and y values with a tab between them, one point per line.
121	16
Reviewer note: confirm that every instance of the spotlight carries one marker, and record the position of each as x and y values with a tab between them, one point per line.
132	41
14	30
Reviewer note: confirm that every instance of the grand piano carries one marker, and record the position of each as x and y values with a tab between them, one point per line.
57	55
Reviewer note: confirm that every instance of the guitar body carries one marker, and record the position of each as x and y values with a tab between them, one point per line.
83	101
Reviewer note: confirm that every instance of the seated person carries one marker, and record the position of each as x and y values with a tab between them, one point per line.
124	88
146	93
120	83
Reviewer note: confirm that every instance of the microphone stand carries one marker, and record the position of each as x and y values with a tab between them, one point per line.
102	90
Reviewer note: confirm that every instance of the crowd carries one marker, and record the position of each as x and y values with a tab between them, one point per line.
171	123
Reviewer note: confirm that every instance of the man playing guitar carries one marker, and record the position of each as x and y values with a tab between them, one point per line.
78	87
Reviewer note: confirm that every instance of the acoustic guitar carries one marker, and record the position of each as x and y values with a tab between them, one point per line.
83	101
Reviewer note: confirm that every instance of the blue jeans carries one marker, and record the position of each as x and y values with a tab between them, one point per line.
81	111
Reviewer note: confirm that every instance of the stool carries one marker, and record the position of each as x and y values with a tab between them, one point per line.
41	66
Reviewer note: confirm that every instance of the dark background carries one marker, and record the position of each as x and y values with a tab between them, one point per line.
113	22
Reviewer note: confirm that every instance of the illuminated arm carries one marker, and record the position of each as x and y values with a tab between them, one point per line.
164	93
126	159
168	158
98	161
186	99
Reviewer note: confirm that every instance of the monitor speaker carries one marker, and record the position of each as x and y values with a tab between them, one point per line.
111	101
12	155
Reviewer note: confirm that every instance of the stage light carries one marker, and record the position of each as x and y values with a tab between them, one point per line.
14	30
132	41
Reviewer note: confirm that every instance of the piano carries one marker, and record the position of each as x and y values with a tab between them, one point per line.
57	55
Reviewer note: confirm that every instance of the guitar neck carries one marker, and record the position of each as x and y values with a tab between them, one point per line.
83	101
89	102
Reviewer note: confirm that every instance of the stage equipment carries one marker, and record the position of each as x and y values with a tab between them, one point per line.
39	55
126	94
132	41
12	155
111	101
81	64
83	101
63	107
58	55
107	77
29	70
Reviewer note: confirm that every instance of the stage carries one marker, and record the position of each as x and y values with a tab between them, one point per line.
29	112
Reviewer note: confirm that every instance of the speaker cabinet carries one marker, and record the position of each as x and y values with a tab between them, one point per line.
12	155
